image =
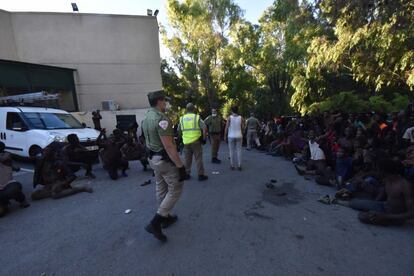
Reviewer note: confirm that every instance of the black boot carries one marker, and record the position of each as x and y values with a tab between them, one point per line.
171	219
215	161
202	177
155	228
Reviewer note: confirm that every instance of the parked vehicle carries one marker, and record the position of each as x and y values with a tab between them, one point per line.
27	130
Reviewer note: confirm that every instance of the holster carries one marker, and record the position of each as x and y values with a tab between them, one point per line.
163	154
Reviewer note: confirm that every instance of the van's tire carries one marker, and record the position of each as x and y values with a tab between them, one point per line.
34	151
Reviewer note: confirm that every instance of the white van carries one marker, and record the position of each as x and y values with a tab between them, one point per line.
27	130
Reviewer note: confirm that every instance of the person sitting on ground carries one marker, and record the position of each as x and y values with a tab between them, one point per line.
347	141
394	205
343	171
317	162
52	173
9	188
111	155
135	151
76	156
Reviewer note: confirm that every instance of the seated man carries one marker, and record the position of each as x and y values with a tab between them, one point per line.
343	170
135	151
111	155
397	203
51	172
317	161
76	156
9	188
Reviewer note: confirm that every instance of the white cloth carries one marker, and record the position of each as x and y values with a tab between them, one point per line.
235	130
316	153
235	149
408	134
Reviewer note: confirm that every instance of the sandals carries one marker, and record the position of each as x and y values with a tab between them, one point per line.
343	194
327	200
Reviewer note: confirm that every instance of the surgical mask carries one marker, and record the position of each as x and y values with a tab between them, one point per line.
214	114
168	106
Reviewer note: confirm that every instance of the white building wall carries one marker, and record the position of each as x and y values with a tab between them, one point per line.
7	42
117	57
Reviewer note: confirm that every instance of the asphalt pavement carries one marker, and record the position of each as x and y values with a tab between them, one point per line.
230	225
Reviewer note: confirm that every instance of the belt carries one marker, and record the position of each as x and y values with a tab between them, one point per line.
162	153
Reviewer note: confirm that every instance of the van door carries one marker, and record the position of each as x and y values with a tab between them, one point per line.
15	134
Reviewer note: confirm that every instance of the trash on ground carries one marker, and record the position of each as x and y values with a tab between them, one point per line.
146	183
127	211
273	180
215	172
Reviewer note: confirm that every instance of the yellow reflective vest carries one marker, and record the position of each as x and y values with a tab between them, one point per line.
190	128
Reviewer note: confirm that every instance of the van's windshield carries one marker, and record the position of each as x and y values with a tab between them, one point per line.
38	120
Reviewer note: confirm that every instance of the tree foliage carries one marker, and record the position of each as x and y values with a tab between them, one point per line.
302	56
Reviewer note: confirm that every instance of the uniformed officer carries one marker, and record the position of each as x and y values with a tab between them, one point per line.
165	160
213	124
193	132
252	126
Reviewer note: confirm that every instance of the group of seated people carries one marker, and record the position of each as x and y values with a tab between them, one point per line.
368	158
57	165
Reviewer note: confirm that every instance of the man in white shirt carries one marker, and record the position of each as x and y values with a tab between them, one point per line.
317	161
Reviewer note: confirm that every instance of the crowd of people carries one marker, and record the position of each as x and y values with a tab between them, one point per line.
55	171
367	158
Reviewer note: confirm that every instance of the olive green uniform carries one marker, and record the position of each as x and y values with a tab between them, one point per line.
252	125
168	186
213	124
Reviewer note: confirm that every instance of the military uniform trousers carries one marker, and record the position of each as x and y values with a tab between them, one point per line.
215	144
168	186
252	136
196	150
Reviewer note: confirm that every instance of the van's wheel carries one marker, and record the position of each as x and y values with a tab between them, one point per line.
34	151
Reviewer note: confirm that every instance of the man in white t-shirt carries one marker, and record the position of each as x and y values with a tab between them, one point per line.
317	160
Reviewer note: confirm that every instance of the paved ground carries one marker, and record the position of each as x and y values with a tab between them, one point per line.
230	225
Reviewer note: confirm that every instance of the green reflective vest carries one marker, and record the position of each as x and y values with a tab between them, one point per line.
189	124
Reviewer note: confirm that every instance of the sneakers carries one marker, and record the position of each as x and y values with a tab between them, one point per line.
154	228
168	221
216	161
202	177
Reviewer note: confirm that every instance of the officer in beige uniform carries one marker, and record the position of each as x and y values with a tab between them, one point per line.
165	160
194	134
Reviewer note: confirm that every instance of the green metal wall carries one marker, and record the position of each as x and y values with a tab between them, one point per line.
18	77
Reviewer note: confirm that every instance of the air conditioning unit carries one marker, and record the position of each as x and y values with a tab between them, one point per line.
109	105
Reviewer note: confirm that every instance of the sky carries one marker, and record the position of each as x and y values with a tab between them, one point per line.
253	9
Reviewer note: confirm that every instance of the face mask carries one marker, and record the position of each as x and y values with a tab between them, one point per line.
168	106
214	114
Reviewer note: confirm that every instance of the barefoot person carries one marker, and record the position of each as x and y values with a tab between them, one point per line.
164	159
234	137
398	196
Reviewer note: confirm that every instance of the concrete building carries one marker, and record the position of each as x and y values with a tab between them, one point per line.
105	57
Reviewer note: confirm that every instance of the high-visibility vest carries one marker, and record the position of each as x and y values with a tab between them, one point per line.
190	128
